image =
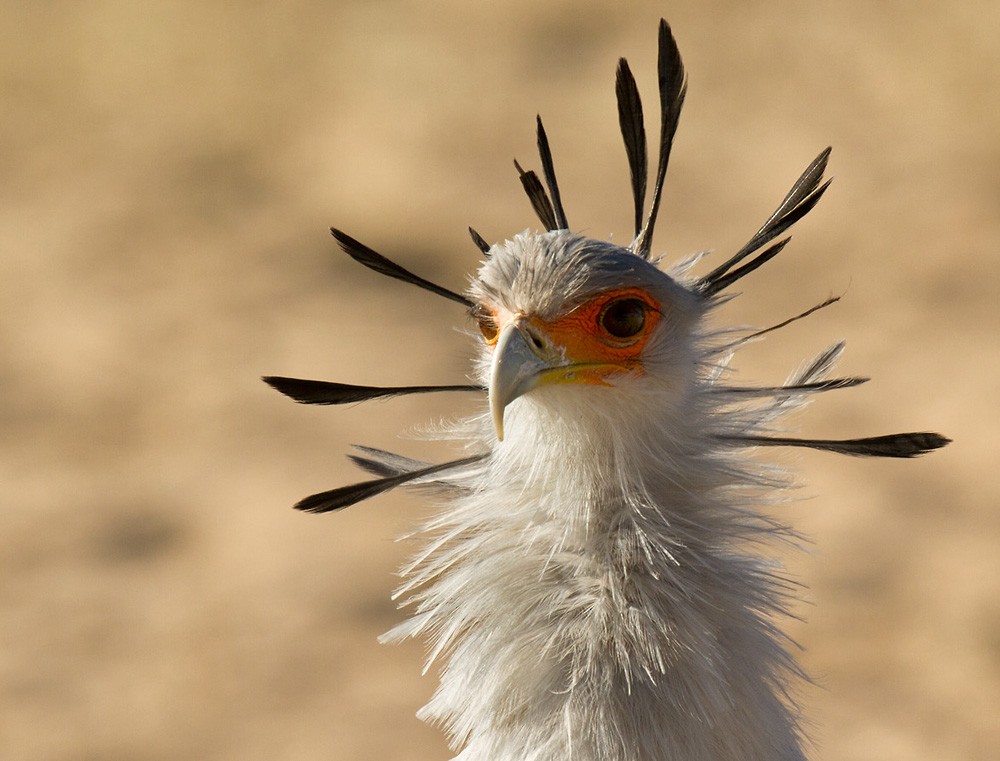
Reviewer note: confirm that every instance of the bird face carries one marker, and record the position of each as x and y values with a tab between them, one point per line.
561	310
591	344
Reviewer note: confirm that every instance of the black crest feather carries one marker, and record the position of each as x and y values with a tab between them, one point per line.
794	388
345	496
480	242
359	252
328	392
634	136
799	201
548	169
710	287
539	199
673	88
890	445
822	305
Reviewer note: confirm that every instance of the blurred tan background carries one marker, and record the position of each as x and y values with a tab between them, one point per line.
169	171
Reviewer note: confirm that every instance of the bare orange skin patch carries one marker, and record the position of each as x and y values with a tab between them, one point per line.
598	338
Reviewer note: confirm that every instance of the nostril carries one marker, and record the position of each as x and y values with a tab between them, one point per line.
536	339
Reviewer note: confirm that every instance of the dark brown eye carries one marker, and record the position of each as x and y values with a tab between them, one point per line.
487	325
624	318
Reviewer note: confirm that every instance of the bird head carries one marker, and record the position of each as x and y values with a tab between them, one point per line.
566	319
594	337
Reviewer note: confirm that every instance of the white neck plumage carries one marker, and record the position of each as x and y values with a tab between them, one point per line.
599	609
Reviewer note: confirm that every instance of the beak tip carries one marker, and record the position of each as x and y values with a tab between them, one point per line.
498	423
514	371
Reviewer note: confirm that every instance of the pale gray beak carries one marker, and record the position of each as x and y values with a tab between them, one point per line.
519	359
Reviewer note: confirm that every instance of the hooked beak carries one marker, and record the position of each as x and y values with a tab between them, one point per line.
520	359
525	357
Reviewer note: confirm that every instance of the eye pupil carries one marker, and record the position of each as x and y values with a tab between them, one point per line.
624	318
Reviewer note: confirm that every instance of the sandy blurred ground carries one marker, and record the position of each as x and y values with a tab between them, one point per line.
169	173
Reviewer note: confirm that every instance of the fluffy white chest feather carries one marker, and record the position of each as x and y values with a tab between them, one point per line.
592	606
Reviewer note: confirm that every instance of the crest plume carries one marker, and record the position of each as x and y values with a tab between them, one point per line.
634	135
360	253
673	88
598	578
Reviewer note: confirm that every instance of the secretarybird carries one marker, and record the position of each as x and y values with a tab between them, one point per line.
598	580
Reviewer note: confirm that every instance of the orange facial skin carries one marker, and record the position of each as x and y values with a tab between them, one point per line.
600	337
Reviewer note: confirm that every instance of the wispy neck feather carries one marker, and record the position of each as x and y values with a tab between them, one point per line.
597	607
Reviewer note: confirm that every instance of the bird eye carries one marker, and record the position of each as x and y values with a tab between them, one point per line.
487	325
623	318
